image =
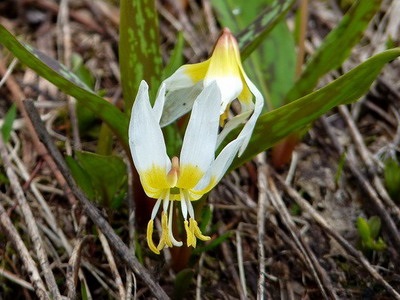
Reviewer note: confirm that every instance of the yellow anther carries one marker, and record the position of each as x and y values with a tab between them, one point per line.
193	232
191	240
150	242
197	232
165	241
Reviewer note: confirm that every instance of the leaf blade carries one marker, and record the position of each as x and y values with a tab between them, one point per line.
139	48
275	125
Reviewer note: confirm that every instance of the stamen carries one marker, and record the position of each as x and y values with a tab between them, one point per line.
171	236
183	205
164	240
166	202
190	208
150	242
190	238
197	232
155	208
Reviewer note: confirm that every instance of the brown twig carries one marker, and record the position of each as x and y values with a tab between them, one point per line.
230	265
29	263
261	211
121	249
308	256
17	96
112	265
30	222
74	263
369	163
307	208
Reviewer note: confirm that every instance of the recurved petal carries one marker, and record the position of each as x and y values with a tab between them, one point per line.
200	139
145	136
218	168
249	126
231	125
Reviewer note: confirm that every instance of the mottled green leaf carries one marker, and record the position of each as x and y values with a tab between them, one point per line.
275	125
254	34
139	48
68	82
336	47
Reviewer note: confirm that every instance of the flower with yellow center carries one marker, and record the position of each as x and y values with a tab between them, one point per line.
183	179
225	68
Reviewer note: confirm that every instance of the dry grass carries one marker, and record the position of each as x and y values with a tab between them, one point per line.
292	230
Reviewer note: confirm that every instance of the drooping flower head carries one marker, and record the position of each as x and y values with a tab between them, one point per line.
184	179
225	68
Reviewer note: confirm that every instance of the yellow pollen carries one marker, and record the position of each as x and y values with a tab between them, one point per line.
165	241
193	232
150	242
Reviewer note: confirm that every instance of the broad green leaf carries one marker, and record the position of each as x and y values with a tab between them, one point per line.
277	57
68	82
86	118
9	119
336	47
106	172
176	58
81	177
139	48
237	14
275	125
254	34
101	177
81	71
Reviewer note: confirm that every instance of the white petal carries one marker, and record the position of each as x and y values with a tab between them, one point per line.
221	164
229	86
200	139
179	102
145	136
159	104
179	79
248	128
232	124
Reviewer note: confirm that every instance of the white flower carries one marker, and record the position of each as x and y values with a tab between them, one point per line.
183	179
225	68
